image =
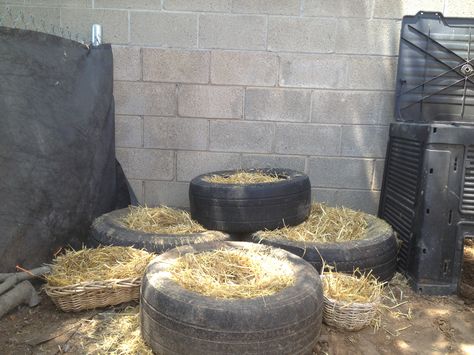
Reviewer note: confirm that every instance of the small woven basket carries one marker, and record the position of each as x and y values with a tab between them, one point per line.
96	294
350	316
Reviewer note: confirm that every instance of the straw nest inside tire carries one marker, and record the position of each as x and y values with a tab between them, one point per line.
340	237
324	224
351	302
153	229
246	177
233	273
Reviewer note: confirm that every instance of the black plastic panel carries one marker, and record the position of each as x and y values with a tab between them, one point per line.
427	198
435	80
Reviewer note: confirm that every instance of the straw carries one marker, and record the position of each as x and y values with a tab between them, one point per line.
119	334
245	178
233	273
324	224
101	264
358	288
163	220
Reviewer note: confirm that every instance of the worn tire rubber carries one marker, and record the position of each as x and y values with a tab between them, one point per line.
376	251
108	230
248	208
177	321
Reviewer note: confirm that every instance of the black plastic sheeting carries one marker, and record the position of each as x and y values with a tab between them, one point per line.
57	150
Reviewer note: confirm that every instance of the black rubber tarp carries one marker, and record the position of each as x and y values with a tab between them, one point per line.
57	156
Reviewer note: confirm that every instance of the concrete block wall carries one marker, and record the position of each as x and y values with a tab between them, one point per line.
203	85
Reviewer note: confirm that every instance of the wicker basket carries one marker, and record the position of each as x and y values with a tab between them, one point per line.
348	316
97	294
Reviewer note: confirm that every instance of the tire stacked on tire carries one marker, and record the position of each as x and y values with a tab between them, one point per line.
236	208
177	321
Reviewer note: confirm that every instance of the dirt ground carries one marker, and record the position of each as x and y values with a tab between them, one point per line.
409	324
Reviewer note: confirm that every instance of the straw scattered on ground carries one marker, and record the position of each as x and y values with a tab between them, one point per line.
356	288
163	220
233	273
324	224
119	334
245	178
104	263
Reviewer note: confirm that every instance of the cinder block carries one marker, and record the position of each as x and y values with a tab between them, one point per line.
359	200
232	31
352	107
271	7
295	34
49	15
340	172
169	65
307	139
114	23
235	136
137	98
337	8
362	200
192	164
371	73
244	68
364	141
378	174
176	133
127	63
128	131
146	164
198	5
359	36
397	9
55	3
277	105
163	29
256	161
326	196
210	101
137	190
173	194
317	71
126	4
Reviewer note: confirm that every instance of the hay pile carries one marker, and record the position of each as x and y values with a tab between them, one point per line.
358	288
233	273
163	220
104	263
119	334
324	224
245	178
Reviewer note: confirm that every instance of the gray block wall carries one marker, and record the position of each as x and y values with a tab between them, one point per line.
202	85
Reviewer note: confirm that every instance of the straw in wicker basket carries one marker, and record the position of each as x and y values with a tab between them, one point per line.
350	303
95	278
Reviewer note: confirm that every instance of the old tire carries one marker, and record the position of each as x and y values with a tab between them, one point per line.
376	251
177	321
108	230
237	208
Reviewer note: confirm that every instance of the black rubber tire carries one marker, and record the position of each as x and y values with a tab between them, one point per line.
376	251
108	230
177	321
237	208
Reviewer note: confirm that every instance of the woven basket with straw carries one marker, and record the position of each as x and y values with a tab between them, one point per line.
96	294
347	315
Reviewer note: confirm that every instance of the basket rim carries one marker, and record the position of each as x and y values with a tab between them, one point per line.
99	284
